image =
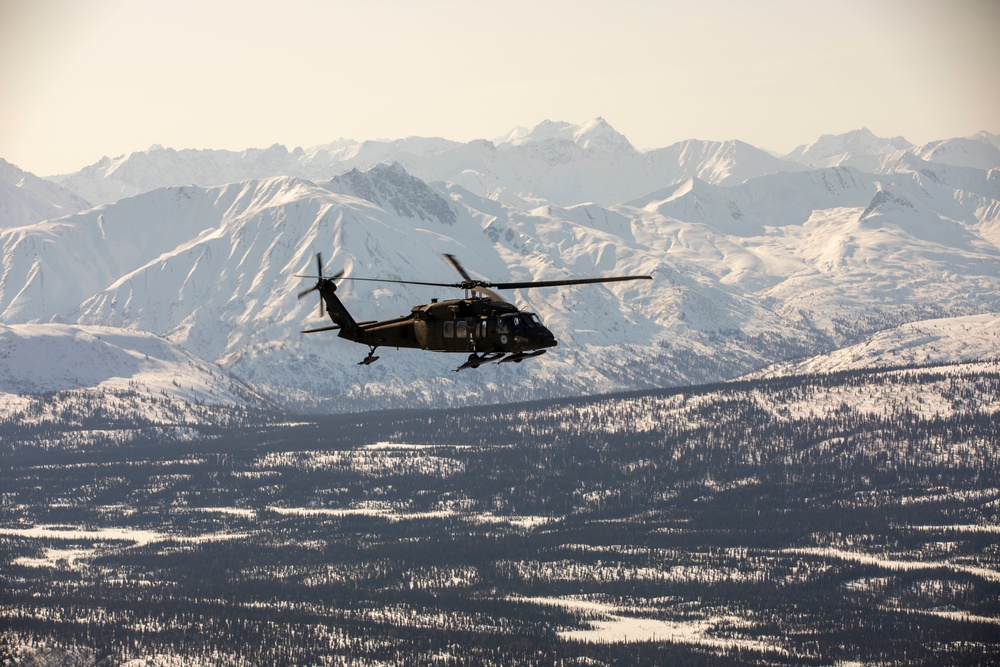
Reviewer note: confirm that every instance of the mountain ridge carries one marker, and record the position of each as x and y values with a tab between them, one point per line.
26	199
960	340
526	162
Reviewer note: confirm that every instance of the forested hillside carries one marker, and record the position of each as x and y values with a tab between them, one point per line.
846	518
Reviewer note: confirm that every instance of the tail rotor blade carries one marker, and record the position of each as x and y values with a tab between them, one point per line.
319	271
319	281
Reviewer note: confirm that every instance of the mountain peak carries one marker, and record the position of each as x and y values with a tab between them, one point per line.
392	187
987	137
977	152
596	133
887	199
858	148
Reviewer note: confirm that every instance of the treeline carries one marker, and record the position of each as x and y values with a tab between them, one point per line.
91	418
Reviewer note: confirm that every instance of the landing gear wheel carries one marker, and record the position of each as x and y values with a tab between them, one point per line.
477	360
370	359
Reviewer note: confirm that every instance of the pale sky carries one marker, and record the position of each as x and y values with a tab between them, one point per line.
84	79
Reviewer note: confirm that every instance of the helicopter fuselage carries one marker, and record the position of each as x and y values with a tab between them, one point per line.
482	325
472	325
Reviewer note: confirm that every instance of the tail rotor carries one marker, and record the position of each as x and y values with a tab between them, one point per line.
321	280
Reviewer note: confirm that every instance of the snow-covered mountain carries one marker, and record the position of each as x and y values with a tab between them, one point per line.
555	161
864	151
26	199
135	374
957	340
987	137
596	133
960	153
749	268
558	162
860	149
721	163
112	179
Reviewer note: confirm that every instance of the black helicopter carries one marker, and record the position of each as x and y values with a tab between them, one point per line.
482	324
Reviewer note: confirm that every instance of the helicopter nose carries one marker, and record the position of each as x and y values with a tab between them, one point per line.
535	339
546	338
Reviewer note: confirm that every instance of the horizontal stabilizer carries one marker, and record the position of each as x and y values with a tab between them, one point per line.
329	328
334	327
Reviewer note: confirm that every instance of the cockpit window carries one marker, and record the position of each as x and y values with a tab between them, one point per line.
518	322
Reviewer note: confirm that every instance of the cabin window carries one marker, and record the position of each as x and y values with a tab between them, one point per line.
503	325
461	329
449	329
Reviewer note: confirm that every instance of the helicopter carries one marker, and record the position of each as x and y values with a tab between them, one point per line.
483	324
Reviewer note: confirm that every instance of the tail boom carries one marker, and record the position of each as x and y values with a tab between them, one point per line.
335	308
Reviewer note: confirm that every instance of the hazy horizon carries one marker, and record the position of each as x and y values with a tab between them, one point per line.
106	78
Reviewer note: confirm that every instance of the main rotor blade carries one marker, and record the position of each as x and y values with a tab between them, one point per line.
481	287
471	284
489	294
558	283
455	264
403	282
337	276
478	284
